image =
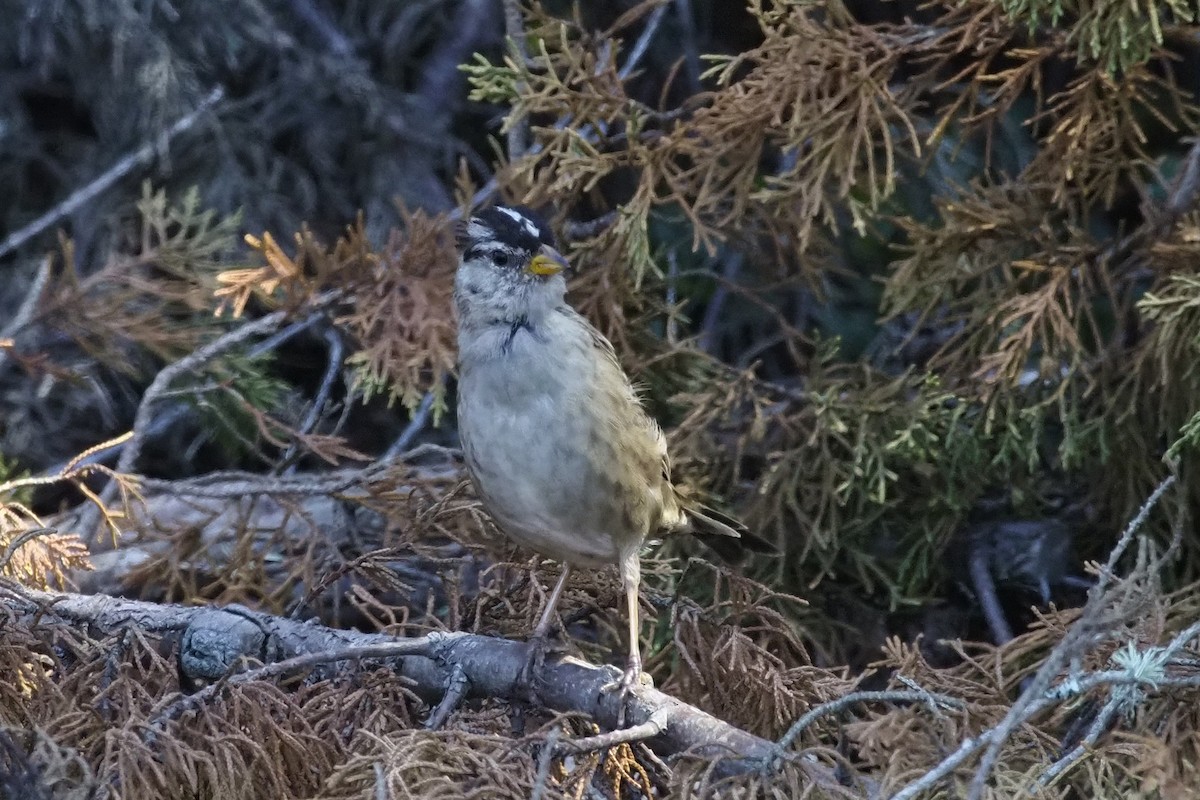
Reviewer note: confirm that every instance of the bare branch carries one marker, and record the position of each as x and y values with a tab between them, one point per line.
514	28
420	419
544	759
1036	696
138	158
643	42
1187	188
28	306
183	366
691	52
213	641
1099	725
20	540
854	698
636	733
333	368
457	686
388	649
88	518
323	26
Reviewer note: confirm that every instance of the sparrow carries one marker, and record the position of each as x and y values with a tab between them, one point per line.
555	439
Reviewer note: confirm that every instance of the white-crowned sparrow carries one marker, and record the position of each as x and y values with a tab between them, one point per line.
556	441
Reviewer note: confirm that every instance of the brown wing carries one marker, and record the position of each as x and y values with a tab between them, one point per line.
647	446
728	537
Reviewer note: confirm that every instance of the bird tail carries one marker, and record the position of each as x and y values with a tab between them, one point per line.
724	535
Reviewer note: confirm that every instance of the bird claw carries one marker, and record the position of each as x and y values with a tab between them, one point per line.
631	677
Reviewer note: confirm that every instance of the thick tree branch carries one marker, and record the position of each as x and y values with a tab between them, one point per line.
214	507
213	641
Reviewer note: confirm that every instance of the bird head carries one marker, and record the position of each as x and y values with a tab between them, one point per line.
508	268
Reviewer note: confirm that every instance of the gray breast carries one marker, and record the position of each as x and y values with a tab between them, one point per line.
546	466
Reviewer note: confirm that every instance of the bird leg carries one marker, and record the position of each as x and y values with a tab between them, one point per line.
630	580
632	676
539	640
546	623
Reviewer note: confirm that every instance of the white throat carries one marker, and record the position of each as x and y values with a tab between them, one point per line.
483	297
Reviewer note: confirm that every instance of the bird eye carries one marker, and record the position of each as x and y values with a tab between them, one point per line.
500	258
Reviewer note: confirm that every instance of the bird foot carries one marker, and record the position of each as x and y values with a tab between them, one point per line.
631	677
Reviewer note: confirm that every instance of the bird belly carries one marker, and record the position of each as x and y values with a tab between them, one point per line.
544	468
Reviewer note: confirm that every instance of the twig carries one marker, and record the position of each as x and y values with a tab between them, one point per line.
293	330
691	53
20	540
85	458
381	788
88	518
1178	643
516	148
1063	650
586	230
931	700
1139	669
28	306
333	368
415	425
323	26
1187	187
189	363
138	158
1065	691
232	483
514	28
1034	697
1099	725
424	646
672	297
163	421
934	776
854	698
337	350
643	42
69	472
636	733
978	565
730	268
457	686
544	759
1105	577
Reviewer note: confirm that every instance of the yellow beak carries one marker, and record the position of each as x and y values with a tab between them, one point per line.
548	262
